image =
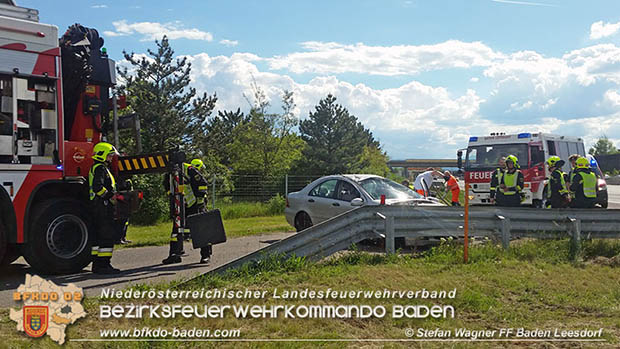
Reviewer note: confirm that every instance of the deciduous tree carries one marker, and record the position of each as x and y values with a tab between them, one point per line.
603	147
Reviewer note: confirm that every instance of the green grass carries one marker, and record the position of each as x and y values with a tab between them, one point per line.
159	234
273	207
533	285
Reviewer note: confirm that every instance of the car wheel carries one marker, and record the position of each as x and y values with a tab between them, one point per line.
302	221
537	203
604	201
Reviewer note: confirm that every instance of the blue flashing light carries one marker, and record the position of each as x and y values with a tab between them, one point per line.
473	139
524	135
59	167
593	163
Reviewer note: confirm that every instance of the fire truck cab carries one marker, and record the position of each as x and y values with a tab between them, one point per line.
532	150
54	98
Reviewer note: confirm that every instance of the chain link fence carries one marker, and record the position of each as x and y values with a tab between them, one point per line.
255	187
237	188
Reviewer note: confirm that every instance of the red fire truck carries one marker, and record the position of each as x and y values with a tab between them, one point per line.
54	106
532	150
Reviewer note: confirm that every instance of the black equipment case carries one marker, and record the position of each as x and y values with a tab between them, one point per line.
206	228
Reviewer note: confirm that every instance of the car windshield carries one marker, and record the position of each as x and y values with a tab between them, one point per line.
375	187
486	157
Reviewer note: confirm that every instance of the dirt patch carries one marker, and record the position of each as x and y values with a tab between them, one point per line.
612	262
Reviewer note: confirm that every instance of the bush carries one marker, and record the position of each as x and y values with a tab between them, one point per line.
154	207
276	205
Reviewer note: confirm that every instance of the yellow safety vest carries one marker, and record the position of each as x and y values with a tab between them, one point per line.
91	177
509	180
589	184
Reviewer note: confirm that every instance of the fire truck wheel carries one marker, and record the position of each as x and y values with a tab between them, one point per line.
4	245
11	256
8	252
58	241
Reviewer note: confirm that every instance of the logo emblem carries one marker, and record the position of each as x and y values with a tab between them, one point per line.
36	320
79	155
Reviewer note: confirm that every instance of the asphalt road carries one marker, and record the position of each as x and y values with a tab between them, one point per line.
614	196
140	265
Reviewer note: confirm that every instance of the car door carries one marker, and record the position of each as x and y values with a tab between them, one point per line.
346	192
321	199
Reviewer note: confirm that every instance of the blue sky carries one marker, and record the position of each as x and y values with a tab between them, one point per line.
422	75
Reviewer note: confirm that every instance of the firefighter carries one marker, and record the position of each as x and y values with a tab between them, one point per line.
573	163
511	184
557	190
199	186
102	192
453	185
494	194
583	184
194	192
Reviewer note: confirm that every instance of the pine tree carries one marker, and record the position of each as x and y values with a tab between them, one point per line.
335	139
170	112
158	88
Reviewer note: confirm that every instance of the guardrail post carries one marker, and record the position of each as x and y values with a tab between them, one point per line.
575	243
389	235
505	230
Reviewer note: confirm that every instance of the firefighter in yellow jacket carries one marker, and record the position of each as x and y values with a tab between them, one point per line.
583	184
557	190
194	192
510	184
102	192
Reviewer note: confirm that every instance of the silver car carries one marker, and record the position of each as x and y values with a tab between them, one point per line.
330	196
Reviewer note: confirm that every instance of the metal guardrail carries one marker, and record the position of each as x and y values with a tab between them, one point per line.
391	222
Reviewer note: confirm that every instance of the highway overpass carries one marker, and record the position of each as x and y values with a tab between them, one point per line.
418	165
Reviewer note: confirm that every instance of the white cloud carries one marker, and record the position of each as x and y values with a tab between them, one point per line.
529	3
599	30
577	94
549	103
230	43
335	58
415	119
99	6
155	31
516	106
612	97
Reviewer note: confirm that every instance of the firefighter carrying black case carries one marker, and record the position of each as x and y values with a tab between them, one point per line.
206	228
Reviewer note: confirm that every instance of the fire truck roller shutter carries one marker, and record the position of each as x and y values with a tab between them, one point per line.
59	236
